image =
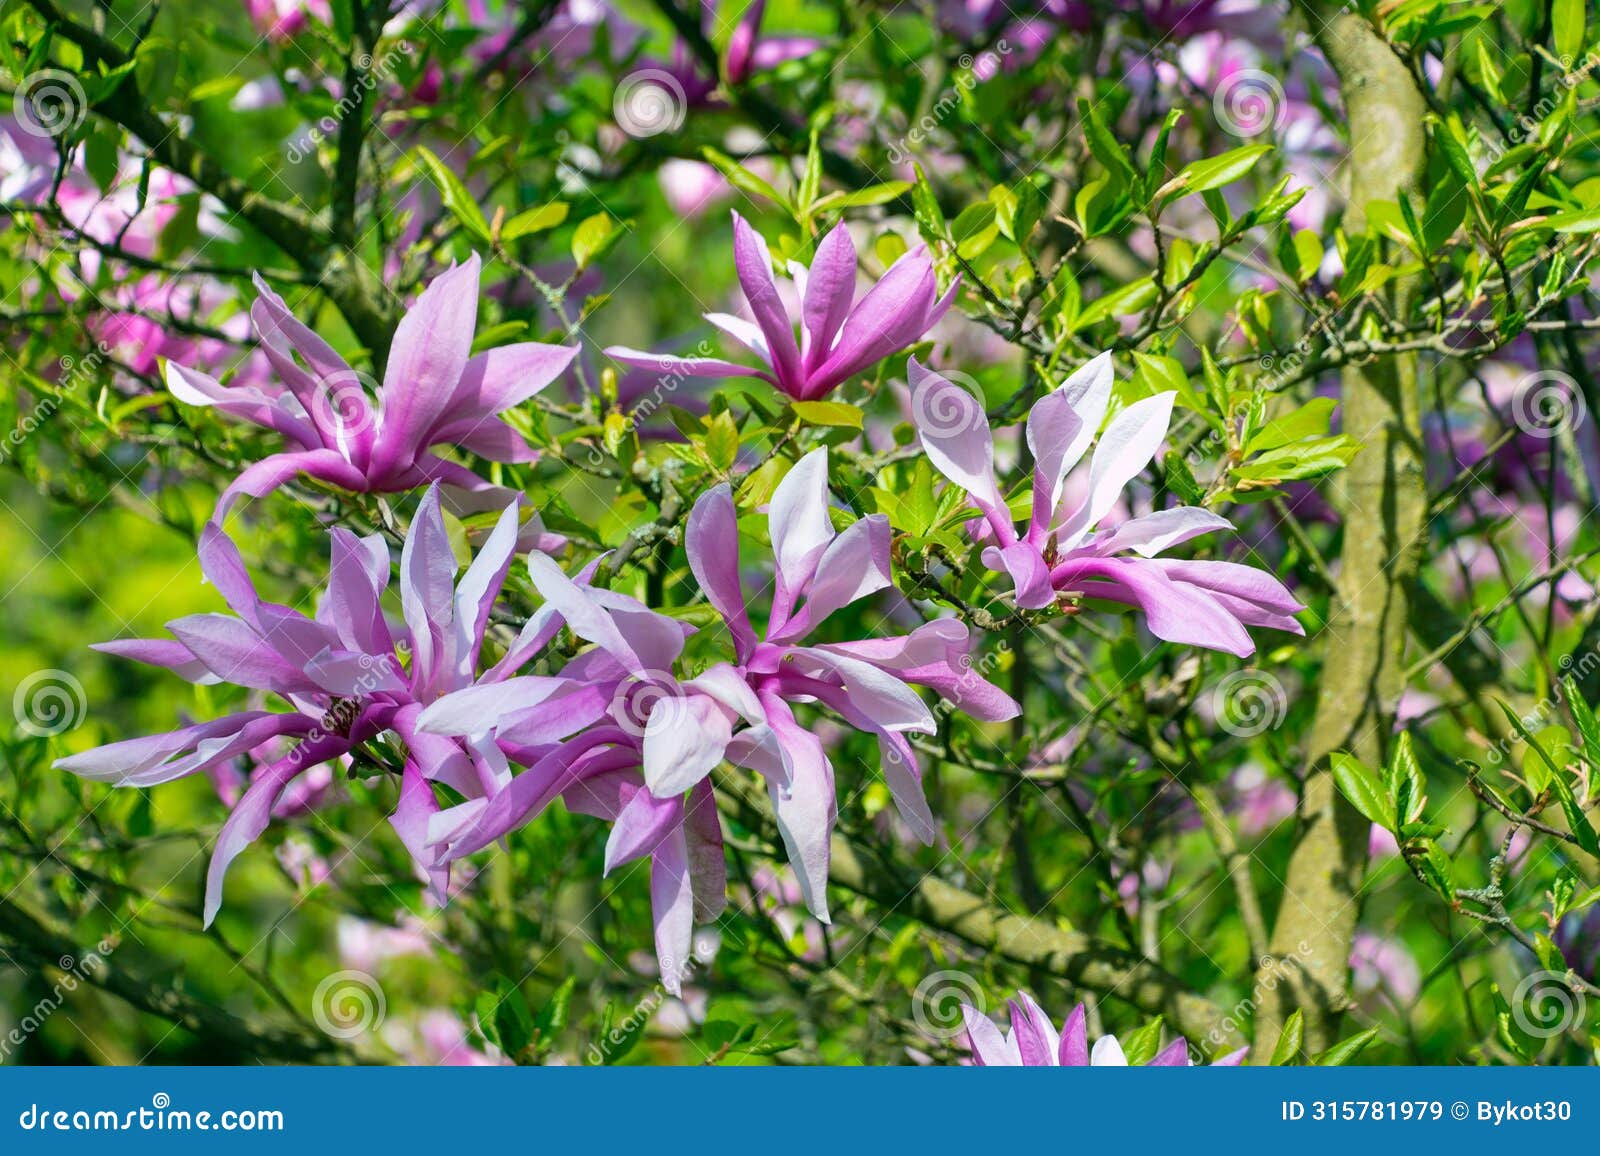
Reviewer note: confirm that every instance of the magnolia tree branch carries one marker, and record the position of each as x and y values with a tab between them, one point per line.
29	941
1385	507
298	233
1034	943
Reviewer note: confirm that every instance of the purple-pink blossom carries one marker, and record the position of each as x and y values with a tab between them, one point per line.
1033	1042
357	436
1072	547
345	674
839	336
620	735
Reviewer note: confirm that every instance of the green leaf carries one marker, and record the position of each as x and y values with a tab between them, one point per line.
975	229
742	178
828	413
594	239
536	220
1119	303
1453	148
553	1016
811	179
861	198
618	1035
1105	147
1583	715
1166	375
1140	1046
925	208
1574	221
1213	172
457	200
1405	780
1582	830
1290	1040
721	441
513	1024
1359	785
1431	866
1566	28
1536	760
1346	1050
1310	420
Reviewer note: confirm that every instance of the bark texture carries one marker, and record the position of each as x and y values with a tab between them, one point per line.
1384	503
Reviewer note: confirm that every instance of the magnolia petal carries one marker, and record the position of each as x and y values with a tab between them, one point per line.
427	358
711	541
1130	441
753	264
1150	534
955	435
854	565
1074	1051
685	737
1029	572
672	907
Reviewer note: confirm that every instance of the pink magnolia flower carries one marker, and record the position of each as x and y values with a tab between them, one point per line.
867	683
368	440
839	335
643	741
340	671
587	737
1066	548
1033	1042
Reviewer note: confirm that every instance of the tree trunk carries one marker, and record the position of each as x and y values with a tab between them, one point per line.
1384	503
